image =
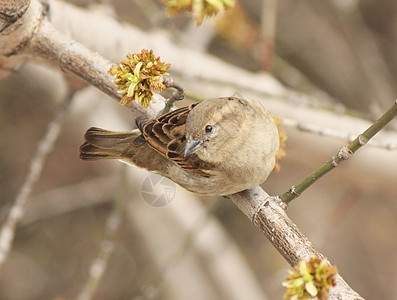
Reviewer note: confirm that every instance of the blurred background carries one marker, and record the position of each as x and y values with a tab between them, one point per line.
334	65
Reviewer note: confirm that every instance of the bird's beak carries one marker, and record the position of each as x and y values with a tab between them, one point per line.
192	146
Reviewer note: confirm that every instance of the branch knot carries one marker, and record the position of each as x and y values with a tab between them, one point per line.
265	203
345	153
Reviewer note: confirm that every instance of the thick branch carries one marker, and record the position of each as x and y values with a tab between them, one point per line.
72	57
40	39
268	214
11	12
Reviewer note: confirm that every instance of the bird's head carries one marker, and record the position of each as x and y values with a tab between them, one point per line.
211	125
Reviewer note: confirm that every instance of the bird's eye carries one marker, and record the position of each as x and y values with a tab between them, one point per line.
208	128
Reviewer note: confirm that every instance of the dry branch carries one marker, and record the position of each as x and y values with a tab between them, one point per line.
45	147
268	214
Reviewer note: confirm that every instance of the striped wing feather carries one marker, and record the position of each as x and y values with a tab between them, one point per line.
167	136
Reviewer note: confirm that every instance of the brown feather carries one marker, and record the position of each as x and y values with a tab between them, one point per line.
166	135
100	143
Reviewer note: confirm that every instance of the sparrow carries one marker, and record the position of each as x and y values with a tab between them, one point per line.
220	146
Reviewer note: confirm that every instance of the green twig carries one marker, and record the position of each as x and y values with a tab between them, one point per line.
343	154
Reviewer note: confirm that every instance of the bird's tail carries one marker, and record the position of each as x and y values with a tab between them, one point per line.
104	144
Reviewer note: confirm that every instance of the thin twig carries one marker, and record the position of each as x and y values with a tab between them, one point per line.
63	200
325	131
106	248
17	210
177	95
151	291
343	154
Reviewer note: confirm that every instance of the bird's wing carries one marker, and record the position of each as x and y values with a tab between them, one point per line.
166	135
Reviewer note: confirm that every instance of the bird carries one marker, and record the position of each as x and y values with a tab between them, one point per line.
219	147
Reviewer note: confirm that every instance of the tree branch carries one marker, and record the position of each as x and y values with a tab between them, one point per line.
45	147
343	154
268	214
41	40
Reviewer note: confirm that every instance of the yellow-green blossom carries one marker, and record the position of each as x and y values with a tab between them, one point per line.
310	279
139	77
200	9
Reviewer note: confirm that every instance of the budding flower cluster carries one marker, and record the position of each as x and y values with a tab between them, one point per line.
200	9
139	77
310	279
